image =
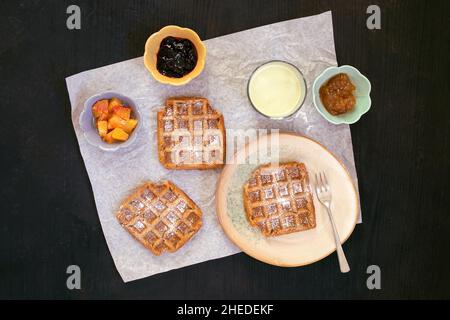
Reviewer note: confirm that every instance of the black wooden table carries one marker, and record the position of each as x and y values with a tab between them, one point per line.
48	218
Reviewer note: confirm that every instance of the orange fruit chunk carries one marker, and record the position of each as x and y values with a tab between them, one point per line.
123	112
119	134
102	127
116	122
108	138
130	125
100	110
113	103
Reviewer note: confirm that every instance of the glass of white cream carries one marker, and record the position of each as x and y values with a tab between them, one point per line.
277	89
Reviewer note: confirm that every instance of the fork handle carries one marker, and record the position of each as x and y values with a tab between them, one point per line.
343	264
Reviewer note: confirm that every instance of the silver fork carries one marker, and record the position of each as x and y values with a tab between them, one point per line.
323	192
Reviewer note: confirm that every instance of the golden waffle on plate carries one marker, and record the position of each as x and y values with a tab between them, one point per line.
160	216
278	199
191	134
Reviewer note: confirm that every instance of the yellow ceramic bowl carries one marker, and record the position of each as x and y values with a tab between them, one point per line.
152	48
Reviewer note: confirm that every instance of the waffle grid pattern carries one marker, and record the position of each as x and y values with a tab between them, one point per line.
278	199
191	134
160	216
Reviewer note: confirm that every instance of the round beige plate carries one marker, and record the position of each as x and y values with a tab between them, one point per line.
295	249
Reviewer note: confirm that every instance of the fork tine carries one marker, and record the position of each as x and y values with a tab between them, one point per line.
322	183
317	183
327	186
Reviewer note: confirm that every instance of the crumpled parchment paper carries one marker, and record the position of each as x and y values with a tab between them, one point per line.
306	42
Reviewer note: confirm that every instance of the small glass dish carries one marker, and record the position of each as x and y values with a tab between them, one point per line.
87	122
361	93
302	84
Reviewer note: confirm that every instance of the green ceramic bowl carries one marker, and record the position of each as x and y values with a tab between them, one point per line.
362	94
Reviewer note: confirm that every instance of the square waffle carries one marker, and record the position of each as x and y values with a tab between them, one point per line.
191	135
160	216
278	199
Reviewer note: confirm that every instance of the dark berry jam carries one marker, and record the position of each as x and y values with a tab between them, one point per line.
176	57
